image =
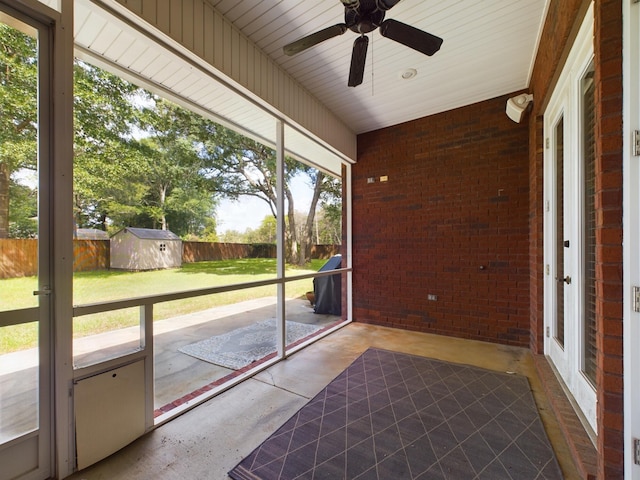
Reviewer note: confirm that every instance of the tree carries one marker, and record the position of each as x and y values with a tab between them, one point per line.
109	164
266	233
136	159
233	236
18	112
248	168
23	212
179	191
329	225
317	179
327	190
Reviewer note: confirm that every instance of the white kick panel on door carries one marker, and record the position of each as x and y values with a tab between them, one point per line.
109	412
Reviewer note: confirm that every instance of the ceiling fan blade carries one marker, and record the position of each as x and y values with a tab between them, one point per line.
386	4
358	58
314	39
411	37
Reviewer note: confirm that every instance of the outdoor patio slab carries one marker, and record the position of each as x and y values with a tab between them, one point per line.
208	441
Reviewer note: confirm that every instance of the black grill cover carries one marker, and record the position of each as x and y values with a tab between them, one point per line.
328	290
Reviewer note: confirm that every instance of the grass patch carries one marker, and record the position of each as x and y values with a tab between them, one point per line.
104	285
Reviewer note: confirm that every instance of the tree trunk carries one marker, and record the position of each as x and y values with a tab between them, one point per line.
292	244
4	200
76	214
163	199
103	221
307	237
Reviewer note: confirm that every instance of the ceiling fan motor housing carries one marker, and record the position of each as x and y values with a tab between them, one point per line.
362	21
380	4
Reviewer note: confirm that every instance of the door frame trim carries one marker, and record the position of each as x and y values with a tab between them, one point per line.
631	229
62	224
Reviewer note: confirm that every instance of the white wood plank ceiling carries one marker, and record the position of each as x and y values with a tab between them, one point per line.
488	50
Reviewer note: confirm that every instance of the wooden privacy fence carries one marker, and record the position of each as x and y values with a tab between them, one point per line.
203	251
18	256
90	255
325	251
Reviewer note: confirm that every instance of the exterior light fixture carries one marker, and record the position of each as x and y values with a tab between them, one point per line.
517	105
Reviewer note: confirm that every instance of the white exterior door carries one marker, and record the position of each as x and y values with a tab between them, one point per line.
569	225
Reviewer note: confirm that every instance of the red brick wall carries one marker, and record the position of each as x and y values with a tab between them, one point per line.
451	221
608	82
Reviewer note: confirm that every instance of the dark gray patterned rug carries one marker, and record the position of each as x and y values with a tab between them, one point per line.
240	347
391	415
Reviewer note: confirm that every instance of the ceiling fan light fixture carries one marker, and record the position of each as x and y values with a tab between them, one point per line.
408	74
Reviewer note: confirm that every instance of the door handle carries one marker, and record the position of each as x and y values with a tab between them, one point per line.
44	291
566	279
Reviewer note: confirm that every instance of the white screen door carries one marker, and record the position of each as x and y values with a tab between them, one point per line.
25	383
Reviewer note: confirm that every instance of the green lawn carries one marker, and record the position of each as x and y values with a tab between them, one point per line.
103	285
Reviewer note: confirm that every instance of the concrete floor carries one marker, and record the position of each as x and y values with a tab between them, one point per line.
206	442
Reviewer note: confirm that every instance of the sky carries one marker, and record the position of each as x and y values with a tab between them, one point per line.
248	212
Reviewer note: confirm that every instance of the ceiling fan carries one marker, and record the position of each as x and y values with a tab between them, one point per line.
364	16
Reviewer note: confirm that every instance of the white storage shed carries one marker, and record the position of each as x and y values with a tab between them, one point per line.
145	249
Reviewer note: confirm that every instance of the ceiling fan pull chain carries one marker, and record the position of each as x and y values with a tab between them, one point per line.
372	64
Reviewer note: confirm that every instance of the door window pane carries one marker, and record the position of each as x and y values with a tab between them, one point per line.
560	235
589	221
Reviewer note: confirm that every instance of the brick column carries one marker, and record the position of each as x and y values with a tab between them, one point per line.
608	78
